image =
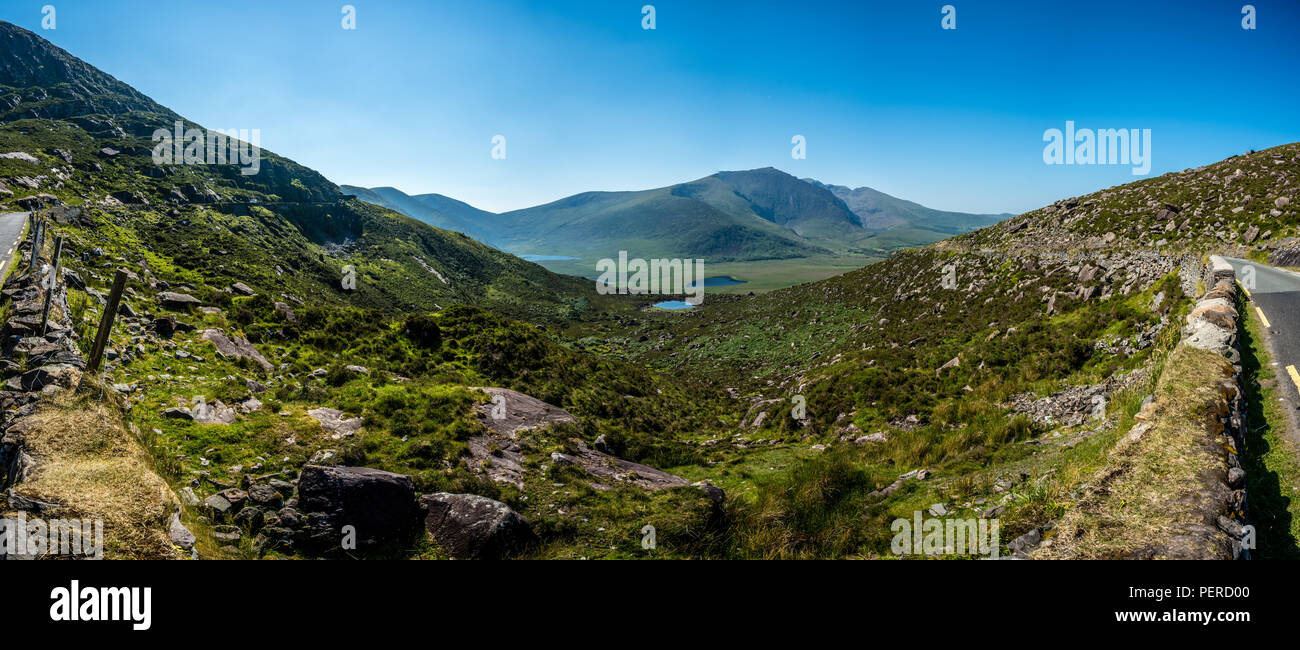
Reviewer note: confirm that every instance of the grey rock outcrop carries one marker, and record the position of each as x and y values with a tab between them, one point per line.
469	526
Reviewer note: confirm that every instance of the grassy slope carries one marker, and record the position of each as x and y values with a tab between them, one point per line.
311	240
91	466
827	340
419	424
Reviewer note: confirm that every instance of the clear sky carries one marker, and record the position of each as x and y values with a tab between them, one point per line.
588	100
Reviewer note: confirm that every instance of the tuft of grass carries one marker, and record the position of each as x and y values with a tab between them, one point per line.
89	464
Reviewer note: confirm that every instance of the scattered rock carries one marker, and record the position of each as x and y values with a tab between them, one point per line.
179	534
332	420
238	348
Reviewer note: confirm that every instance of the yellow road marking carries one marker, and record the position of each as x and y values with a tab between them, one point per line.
1295	377
1243	288
1261	317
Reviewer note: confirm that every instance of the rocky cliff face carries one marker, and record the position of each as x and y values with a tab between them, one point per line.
39	80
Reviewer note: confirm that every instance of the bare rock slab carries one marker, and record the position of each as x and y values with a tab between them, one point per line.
469	526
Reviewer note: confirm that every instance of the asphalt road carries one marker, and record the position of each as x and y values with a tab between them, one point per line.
11	230
1275	298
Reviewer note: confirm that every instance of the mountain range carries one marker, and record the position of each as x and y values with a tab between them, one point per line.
757	214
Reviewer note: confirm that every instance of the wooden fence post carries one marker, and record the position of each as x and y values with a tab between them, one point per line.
106	323
38	238
52	285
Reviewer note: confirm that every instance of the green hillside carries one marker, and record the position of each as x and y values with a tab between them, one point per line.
285	230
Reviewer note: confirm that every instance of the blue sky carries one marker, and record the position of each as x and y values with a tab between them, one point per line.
587	99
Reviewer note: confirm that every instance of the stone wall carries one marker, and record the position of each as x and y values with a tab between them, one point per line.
1173	486
1214	325
50	360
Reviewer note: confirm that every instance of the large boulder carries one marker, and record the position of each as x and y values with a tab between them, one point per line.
267	495
180	301
225	503
379	505
37	201
511	412
215	413
165	326
469	526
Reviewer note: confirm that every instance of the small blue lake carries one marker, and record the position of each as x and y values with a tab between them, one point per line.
673	304
721	281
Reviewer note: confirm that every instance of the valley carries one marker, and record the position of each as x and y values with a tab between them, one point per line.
762	226
753	275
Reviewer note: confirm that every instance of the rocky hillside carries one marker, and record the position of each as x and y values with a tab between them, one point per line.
1245	204
45	82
